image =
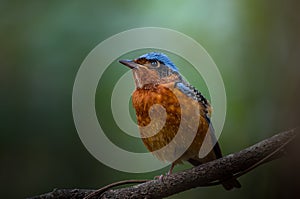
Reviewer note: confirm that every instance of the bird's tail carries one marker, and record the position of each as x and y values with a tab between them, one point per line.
231	183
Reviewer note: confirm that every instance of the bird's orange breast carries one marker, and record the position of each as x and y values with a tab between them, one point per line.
175	104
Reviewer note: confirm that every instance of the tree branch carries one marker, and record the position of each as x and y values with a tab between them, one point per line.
204	175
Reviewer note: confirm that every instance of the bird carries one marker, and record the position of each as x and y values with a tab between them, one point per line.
159	82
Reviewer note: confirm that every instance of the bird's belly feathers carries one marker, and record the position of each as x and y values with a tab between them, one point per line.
182	114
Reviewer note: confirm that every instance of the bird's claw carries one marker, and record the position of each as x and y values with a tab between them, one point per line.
160	177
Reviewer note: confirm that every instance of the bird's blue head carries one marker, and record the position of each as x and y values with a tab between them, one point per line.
162	58
152	68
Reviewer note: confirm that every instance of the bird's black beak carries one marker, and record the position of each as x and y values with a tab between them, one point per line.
129	63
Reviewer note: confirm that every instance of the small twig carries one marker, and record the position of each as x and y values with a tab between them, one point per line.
272	154
260	162
109	186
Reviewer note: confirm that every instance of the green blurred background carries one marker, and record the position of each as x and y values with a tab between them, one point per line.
254	43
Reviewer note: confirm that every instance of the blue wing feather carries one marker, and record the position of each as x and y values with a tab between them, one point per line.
192	92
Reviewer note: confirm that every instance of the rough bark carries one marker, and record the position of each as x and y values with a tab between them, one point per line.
204	175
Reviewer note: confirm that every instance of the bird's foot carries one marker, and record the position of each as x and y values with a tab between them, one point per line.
160	177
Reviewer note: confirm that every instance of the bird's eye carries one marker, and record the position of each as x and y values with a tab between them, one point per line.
154	64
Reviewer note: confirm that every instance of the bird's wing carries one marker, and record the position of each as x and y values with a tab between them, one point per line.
192	92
